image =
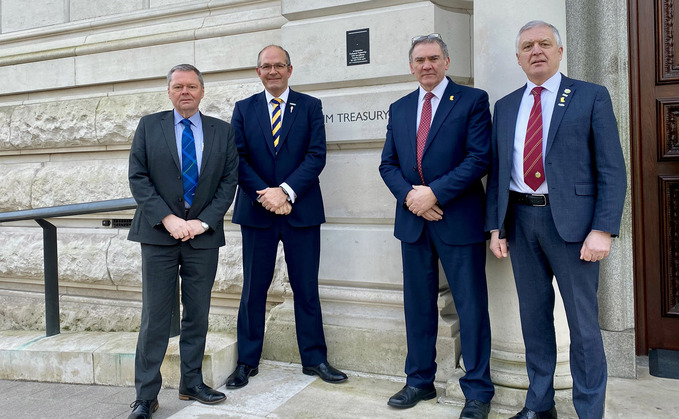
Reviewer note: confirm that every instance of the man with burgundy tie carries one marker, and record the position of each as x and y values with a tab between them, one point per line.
556	190
436	151
183	173
280	136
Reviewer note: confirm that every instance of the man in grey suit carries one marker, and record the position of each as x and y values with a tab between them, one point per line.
183	174
556	190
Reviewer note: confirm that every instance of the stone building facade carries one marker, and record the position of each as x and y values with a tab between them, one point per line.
79	74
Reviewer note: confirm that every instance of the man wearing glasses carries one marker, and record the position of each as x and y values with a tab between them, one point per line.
280	135
437	149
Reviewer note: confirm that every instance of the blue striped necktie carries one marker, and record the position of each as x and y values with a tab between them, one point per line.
276	122
189	163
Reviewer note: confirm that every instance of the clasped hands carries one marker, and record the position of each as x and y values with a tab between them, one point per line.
180	228
275	200
422	202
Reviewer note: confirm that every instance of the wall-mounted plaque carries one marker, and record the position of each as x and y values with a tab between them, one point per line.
358	47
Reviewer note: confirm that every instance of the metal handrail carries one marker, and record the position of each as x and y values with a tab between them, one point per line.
72	209
49	236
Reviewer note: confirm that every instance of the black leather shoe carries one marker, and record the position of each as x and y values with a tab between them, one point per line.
239	378
201	393
327	372
526	413
474	409
409	396
143	409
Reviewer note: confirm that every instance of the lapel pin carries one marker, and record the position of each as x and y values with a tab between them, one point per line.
292	106
452	97
563	100
567	91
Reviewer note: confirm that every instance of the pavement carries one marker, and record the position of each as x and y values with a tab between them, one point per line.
280	390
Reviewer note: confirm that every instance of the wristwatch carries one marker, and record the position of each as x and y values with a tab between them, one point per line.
287	195
205	225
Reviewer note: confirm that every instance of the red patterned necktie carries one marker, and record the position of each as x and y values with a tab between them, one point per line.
423	131
533	170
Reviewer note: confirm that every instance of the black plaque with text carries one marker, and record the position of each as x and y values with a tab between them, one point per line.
358	47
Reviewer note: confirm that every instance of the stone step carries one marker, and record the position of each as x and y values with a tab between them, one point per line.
105	358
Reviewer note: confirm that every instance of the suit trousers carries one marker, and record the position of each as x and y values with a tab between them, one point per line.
302	248
538	255
160	266
464	266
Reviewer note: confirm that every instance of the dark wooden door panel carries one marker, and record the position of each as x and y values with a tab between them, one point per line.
654	70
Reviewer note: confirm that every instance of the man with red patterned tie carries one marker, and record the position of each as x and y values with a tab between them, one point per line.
556	190
436	152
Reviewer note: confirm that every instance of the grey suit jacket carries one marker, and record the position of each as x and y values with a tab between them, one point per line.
156	180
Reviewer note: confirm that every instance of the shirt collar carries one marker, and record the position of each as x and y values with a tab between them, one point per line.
552	84
283	96
437	91
195	118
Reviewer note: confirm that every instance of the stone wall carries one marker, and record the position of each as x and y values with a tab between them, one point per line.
79	75
84	73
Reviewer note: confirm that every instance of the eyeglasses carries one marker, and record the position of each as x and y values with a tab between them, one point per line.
425	37
277	67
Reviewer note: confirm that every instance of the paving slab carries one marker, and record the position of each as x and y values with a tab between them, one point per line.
281	391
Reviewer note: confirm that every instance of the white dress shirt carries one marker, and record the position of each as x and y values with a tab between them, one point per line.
548	100
438	94
284	97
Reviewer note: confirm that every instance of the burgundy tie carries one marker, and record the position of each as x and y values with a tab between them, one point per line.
423	131
533	170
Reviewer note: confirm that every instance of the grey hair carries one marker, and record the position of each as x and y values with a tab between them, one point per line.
184	67
538	23
439	41
287	55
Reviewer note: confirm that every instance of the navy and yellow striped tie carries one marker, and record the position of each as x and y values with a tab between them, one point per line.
276	121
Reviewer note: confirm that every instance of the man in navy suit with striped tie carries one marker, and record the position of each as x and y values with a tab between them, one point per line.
556	190
280	136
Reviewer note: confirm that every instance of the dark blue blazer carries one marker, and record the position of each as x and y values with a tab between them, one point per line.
299	162
155	177
584	165
456	157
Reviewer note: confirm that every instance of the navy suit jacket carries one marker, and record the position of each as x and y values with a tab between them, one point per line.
155	177
456	157
299	162
584	164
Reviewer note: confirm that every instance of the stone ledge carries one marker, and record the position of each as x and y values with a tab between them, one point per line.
105	358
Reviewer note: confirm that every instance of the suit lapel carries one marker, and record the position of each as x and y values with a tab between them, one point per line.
289	115
261	109
167	126
513	104
566	91
446	105
209	138
411	119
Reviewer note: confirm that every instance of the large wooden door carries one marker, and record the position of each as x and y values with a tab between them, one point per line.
654	70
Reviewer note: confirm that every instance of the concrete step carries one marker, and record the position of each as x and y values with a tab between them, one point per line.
105	358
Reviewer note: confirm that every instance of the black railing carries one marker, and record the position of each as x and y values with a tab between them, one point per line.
51	264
